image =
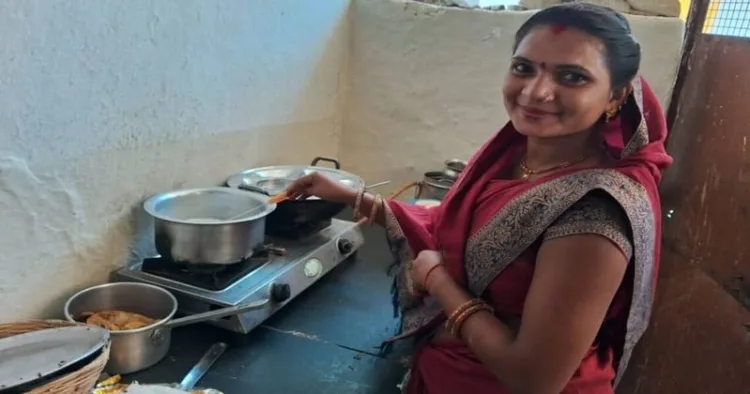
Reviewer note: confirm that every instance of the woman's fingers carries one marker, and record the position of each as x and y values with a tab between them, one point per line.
299	187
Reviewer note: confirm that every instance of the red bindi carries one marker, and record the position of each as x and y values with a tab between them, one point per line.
557	29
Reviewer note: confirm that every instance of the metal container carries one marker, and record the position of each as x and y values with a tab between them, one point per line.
453	168
295	213
433	186
217	225
136	350
131	350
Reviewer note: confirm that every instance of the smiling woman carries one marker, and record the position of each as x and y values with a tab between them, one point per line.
554	223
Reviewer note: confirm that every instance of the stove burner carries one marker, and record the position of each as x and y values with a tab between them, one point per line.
298	231
195	286
209	276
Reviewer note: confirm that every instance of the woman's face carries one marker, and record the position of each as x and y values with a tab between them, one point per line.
558	83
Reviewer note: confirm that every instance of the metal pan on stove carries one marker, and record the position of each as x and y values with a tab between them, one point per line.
295	213
215	226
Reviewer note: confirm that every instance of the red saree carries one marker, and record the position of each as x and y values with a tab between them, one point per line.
489	229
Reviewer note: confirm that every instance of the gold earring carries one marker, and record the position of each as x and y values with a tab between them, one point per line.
609	115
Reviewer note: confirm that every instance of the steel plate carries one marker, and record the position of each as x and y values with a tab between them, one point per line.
28	357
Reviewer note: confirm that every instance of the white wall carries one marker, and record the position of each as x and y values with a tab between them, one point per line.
103	103
426	82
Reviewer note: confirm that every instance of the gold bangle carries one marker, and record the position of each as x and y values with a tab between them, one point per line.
358	202
375	207
429	272
455	329
461	308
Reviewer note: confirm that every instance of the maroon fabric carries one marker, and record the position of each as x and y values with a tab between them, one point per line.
447	366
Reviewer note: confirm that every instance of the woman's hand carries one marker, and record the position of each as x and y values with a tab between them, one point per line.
428	270
319	185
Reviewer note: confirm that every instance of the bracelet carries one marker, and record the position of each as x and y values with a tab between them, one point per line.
461	308
358	202
427	276
455	328
375	206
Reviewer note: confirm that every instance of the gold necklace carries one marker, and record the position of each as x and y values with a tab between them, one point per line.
527	172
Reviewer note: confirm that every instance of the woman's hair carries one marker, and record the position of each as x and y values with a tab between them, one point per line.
622	50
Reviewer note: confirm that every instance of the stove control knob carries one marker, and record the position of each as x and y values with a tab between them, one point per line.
345	246
280	292
313	268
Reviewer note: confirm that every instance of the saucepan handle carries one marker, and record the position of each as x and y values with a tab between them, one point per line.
335	162
252	188
278	292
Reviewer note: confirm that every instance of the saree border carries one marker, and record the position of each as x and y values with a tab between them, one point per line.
498	243
415	312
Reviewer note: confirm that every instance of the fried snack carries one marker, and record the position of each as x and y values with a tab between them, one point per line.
117	320
110	381
110	385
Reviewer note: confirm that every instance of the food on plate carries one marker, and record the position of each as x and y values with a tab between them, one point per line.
113	385
117	320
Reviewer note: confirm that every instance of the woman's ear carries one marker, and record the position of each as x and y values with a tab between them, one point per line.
618	99
622	94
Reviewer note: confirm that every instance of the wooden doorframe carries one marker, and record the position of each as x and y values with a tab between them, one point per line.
694	26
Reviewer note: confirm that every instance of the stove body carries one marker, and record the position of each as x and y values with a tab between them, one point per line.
307	259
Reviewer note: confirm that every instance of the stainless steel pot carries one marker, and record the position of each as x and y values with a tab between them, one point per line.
433	186
136	350
453	168
217	225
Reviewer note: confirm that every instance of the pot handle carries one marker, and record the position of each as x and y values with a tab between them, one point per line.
278	292
335	162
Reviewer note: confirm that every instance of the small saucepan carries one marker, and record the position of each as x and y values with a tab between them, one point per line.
141	348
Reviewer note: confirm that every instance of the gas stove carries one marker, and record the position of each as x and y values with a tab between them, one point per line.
294	261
